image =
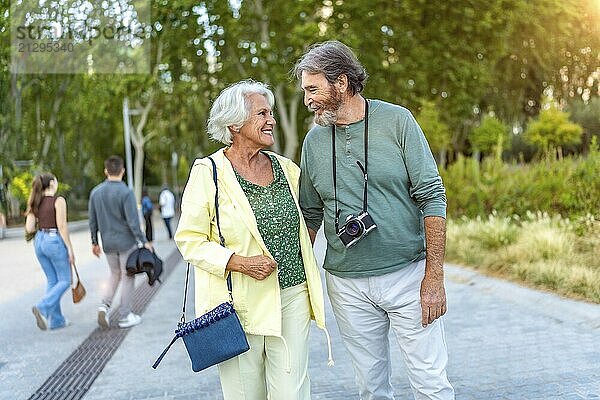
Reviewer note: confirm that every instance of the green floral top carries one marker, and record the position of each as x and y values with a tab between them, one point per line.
278	223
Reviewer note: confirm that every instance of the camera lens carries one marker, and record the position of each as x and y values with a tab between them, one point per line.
354	228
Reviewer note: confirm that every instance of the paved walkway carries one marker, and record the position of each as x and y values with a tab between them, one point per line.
505	341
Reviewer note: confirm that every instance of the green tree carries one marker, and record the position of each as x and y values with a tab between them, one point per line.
262	40
490	135
443	52
436	131
7	136
552	45
552	130
588	116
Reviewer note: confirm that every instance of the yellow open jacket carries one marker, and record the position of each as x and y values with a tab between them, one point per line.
258	303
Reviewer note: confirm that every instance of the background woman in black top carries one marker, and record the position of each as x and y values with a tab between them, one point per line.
53	248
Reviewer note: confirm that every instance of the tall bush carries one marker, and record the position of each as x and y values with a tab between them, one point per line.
569	186
20	188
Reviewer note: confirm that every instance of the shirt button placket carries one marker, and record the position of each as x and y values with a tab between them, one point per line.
348	143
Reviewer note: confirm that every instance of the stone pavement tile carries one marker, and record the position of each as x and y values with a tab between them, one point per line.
504	342
174	377
498	349
28	356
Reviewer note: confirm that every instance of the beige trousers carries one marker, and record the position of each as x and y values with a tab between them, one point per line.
118	274
275	368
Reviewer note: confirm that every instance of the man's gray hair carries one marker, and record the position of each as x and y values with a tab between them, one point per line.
231	108
333	58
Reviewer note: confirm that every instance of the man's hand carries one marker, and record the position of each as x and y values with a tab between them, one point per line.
433	299
257	267
433	294
149	246
96	250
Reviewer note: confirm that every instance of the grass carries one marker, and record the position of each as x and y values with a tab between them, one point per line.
539	250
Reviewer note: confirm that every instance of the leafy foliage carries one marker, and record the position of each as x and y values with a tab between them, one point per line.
436	131
20	188
588	116
491	134
468	58
552	131
568	186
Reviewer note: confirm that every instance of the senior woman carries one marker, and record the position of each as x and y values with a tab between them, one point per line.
276	283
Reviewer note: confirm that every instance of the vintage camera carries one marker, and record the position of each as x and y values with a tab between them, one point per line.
355	228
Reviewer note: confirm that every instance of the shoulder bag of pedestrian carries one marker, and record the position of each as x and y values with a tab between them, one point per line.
78	290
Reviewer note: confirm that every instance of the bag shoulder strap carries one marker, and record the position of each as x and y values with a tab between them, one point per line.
187	275
221	240
76	274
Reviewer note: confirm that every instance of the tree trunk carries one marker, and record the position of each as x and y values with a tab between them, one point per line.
442	155
38	118
52	122
139	141
17	96
138	138
288	121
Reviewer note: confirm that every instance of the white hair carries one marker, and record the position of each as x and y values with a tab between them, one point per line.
231	108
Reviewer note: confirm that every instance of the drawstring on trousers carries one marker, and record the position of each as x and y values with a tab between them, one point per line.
330	362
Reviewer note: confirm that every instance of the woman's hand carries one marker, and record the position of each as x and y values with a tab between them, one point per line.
257	267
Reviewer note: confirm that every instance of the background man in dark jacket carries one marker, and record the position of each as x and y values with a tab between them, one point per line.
113	213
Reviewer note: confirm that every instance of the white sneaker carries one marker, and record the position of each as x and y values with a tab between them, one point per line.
129	321
103	316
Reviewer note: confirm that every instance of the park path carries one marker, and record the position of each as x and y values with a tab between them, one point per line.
505	341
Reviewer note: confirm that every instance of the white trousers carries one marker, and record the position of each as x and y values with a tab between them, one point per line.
274	368
366	308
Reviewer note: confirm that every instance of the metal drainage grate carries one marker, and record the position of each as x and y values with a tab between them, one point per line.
74	377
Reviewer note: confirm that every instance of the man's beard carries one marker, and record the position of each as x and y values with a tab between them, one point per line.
329	108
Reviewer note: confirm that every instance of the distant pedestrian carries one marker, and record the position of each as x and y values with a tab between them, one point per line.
167	208
53	248
113	213
147	208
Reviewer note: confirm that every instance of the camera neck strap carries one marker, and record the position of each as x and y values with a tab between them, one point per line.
363	169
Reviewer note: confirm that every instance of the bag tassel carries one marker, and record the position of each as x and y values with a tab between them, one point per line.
159	359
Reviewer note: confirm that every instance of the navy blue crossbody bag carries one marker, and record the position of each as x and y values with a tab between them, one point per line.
217	335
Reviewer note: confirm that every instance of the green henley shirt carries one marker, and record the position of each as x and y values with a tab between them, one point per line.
404	186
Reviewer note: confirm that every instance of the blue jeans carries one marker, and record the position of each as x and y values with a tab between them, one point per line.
53	256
